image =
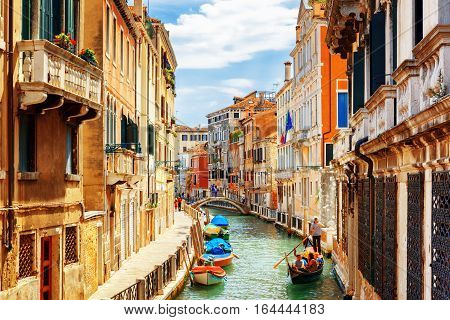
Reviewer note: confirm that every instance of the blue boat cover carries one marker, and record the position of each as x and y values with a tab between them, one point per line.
220	221
218	246
207	256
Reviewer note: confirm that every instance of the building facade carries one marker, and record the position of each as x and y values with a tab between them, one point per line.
186	139
392	167
221	124
313	108
78	189
197	174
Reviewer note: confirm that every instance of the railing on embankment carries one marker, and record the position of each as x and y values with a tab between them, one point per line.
154	283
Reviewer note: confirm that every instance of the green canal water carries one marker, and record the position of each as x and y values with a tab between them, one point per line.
259	245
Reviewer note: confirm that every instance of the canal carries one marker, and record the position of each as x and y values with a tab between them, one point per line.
259	245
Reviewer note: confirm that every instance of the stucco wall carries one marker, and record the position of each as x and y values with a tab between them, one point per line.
88	257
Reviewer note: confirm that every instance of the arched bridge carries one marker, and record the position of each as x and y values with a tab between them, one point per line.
239	206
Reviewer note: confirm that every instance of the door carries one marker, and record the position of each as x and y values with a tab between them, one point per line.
46	268
122	231
131	234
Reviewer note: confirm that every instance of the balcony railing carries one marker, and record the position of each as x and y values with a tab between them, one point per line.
45	68
381	110
284	175
124	165
341	143
112	148
359	122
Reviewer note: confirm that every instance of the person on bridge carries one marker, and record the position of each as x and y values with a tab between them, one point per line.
316	232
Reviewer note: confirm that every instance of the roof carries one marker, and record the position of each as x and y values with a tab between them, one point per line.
190	129
241	103
200	148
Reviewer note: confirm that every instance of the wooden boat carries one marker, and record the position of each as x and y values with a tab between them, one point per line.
299	277
208	275
221	260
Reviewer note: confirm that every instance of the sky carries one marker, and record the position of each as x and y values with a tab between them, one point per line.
225	48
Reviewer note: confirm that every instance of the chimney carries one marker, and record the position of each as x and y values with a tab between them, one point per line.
261	98
287	71
138	8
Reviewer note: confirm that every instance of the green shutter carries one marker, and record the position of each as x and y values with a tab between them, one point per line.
26	19
70	18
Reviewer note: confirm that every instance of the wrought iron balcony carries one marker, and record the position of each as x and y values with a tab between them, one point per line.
124	166
133	146
49	76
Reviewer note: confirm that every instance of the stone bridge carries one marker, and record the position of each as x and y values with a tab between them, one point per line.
239	206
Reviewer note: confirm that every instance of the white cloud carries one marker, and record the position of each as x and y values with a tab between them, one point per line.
239	82
230	31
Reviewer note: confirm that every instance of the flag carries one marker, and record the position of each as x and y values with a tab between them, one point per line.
289	125
283	139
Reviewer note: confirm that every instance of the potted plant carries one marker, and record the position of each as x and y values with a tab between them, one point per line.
170	78
65	41
89	56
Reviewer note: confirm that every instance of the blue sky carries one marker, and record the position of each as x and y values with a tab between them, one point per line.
225	48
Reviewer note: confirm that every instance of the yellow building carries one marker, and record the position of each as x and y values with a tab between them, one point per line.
164	127
79	193
50	238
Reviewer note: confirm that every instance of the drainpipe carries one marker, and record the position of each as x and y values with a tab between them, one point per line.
11	137
371	203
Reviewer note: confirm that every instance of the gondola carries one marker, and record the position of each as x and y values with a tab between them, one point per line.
208	275
221	260
300	277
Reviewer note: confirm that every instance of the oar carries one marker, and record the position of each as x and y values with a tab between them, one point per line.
187	266
235	255
281	260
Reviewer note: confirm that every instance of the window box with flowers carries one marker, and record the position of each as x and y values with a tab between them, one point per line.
89	56
65	41
169	74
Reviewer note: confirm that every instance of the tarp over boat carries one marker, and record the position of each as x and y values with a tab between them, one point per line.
211	229
217	246
220	221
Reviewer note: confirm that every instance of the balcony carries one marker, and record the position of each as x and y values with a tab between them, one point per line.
381	110
124	165
281	175
341	143
50	76
407	78
359	121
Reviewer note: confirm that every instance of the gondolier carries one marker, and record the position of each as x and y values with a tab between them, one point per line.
316	232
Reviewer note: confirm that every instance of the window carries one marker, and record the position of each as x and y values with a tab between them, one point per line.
342	110
71	149
114	44
418	21
328	153
184	137
70	17
236	115
121	51
71	246
49	24
151	139
205	137
184	149
27	143
107	29
26	255
26	20
128	60
193	137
